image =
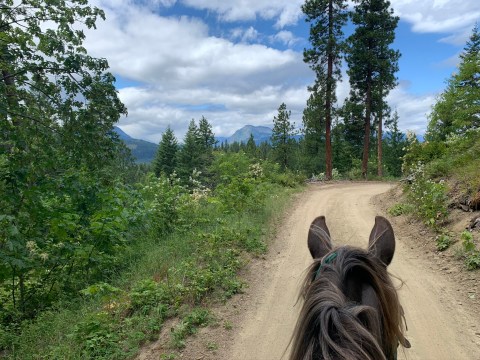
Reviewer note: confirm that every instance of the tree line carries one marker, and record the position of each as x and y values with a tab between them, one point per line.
292	149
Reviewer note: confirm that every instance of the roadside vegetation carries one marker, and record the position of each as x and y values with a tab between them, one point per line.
443	173
183	251
96	252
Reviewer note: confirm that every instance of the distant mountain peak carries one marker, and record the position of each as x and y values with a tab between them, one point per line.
260	134
143	151
122	134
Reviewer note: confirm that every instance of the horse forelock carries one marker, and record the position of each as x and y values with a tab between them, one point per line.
350	310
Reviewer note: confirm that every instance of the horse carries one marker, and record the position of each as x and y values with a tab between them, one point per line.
350	306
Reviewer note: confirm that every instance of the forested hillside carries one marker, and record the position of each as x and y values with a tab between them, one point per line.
443	173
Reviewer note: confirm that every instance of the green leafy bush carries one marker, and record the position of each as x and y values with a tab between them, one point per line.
443	242
401	209
473	260
421	153
471	254
428	197
98	336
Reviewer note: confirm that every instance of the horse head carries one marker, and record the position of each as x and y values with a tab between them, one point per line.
351	308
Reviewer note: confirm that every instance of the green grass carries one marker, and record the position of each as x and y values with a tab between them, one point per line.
161	278
188	326
401	209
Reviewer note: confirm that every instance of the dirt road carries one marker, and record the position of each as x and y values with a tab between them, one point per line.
439	327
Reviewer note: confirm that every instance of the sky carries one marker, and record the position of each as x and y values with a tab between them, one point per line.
236	61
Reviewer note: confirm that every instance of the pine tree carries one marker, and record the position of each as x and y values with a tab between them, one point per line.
264	150
327	17
395	146
313	144
166	158
282	136
206	136
352	113
206	142
458	108
371	63
188	155
251	147
342	152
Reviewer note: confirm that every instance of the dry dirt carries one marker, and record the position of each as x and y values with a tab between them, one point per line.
440	300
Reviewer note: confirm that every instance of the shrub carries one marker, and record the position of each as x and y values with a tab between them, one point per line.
422	153
472	255
429	197
443	242
401	209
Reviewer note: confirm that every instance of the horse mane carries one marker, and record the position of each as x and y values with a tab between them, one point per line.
332	325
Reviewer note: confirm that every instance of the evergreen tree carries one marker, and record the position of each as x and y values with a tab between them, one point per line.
342	154
188	155
458	108
282	136
371	63
251	147
352	113
313	144
234	147
166	158
327	17
206	137
396	144
206	141
263	150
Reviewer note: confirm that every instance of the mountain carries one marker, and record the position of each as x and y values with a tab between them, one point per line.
260	134
121	134
143	151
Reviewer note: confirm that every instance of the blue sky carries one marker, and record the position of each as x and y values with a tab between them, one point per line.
236	61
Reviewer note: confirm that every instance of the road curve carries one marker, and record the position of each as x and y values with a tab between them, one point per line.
437	327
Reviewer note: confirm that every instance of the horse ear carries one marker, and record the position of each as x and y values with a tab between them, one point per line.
319	242
382	240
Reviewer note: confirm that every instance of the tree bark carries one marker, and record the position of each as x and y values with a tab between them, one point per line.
366	138
328	100
379	143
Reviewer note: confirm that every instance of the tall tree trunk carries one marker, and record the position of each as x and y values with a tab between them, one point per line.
379	142
366	138
328	102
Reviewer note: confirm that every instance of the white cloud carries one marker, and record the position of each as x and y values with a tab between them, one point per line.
456	17
413	110
285	37
178	52
458	38
184	72
245	35
287	12
148	116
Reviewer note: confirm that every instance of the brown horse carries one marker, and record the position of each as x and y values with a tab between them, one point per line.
351	308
